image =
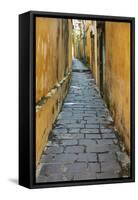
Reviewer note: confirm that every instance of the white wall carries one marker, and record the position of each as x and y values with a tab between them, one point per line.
9	11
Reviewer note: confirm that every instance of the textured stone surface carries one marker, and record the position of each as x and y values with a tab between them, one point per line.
87	157
74	149
83	144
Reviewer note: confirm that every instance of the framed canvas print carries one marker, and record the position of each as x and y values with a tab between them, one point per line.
76	99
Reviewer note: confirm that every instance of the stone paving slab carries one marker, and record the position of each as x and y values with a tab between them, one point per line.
59	158
94	136
74	149
107	157
54	149
69	136
83	144
87	157
110	166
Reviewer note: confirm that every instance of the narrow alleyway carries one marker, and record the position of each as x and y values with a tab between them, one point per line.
83	144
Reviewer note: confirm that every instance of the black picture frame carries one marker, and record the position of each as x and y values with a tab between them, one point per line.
27	98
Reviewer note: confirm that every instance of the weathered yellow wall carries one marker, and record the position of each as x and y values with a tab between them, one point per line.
88	41
116	73
94	66
91	47
46	115
52	42
117	76
53	64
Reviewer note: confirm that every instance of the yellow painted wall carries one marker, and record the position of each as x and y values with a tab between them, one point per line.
91	47
117	76
94	23
53	64
52	43
88	41
46	116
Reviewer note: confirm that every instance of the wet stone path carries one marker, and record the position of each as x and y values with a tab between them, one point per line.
83	144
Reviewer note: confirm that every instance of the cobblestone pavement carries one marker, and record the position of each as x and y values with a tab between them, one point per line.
83	144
